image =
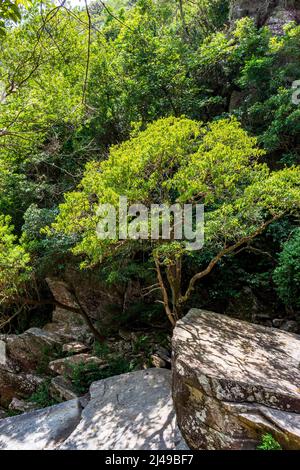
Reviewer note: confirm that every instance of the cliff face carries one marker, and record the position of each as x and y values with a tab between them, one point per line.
274	13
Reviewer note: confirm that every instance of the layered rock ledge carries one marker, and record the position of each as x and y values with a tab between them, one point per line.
234	381
127	412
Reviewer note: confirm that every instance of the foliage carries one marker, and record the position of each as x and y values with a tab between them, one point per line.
181	160
132	85
42	396
10	11
14	261
287	274
83	375
269	443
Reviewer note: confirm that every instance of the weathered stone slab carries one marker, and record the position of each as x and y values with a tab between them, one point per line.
219	364
65	365
42	429
61	389
16	384
130	411
28	348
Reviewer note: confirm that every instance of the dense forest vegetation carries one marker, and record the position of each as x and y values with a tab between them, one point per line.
160	101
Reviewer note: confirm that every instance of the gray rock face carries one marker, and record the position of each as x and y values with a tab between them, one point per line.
234	381
130	411
273	13
42	429
61	389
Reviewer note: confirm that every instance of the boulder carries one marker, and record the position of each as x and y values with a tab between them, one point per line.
67	332
234	381
16	384
28	349
22	405
42	429
61	389
132	411
65	366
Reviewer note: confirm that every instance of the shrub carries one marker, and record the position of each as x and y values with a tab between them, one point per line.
287	274
269	443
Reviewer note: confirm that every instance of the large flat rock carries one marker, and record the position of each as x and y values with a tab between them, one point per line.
234	381
131	411
126	412
42	429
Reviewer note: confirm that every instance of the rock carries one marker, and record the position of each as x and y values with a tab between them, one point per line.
16	384
279	18
69	333
62	294
65	366
22	405
61	389
290	325
75	348
3	413
129	412
3	356
28	348
234	381
157	361
277	322
42	429
163	353
264	12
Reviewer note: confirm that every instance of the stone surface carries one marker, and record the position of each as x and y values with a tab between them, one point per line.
264	12
28	349
3	356
290	325
16	384
130	411
61	389
234	381
157	361
75	348
42	429
66	332
22	405
65	365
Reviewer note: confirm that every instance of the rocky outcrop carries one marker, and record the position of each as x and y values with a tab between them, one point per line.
234	381
273	13
130	411
42	429
27	349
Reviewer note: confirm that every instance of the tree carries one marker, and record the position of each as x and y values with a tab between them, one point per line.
10	11
180	160
14	261
287	274
16	273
